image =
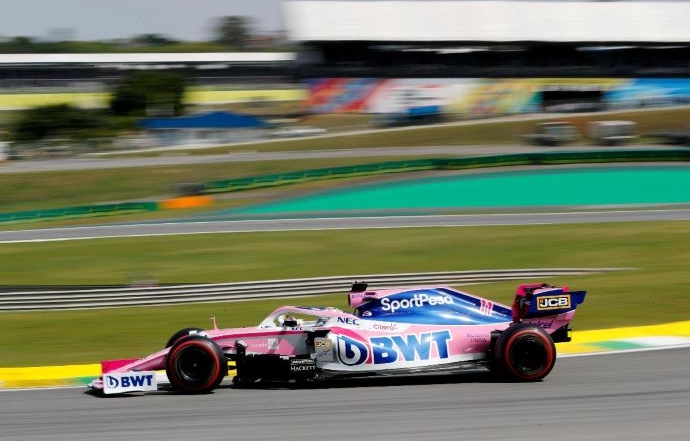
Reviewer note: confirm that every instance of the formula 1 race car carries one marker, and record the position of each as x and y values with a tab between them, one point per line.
391	331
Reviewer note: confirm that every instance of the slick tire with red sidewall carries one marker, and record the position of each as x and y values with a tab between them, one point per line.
524	353
195	365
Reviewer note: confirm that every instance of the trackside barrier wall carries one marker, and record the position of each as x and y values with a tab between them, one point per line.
252	182
546	158
567	157
79	212
273	180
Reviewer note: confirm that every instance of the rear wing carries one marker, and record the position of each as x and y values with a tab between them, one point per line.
358	294
541	299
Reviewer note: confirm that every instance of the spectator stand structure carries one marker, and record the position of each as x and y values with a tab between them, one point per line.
491	57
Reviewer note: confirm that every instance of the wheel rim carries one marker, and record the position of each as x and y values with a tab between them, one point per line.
194	365
529	356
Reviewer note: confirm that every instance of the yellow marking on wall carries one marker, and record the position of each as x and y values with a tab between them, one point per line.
101	99
45	375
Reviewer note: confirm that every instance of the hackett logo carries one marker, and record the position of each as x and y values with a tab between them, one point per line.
553	302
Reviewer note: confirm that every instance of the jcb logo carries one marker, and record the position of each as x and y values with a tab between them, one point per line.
553	302
322	343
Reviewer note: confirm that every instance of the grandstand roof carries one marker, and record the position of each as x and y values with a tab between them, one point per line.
148	58
488	21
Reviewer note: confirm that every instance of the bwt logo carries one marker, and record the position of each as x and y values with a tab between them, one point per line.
351	351
130	381
553	302
120	382
384	350
417	301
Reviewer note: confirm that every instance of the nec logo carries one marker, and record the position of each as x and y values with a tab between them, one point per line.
553	302
129	381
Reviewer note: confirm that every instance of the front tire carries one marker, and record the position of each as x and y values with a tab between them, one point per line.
195	365
182	333
524	353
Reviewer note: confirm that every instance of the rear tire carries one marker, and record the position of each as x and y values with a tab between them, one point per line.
524	353
195	365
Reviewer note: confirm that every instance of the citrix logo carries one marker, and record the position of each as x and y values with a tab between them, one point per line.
417	301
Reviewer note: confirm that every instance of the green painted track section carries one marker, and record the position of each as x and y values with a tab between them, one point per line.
535	187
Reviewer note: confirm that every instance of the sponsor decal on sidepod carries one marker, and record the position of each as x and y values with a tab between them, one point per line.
384	350
417	301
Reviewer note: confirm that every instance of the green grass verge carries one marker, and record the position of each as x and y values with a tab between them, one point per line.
655	291
481	132
37	191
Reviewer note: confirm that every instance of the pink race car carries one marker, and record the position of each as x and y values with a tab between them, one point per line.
390	331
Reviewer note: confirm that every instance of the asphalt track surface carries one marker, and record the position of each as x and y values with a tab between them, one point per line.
322	223
629	396
246	154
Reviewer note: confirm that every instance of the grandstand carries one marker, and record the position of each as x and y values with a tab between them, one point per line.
412	39
469	57
479	58
397	39
91	72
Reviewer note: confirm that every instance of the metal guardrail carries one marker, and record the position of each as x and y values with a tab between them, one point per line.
79	212
273	180
112	297
466	162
